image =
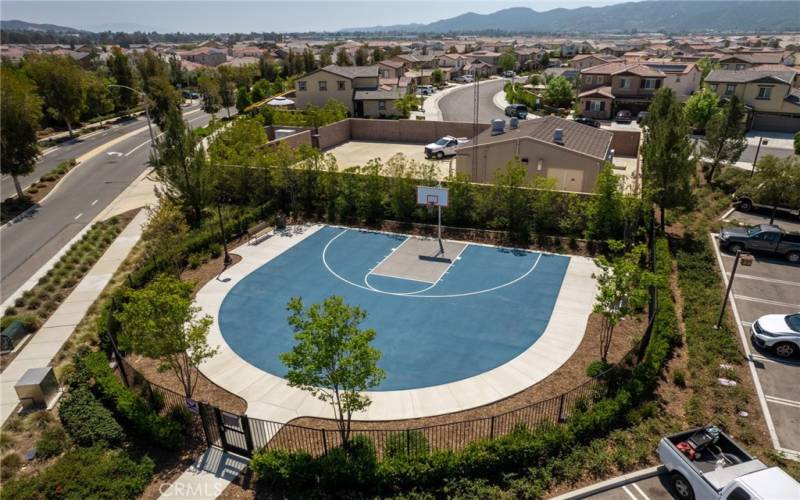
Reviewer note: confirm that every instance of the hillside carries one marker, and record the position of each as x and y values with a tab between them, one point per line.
17	25
666	16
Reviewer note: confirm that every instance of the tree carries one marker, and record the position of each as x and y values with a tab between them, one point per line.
776	182
406	104
183	170
99	101
701	107
121	71
163	97
545	61
362	56
725	140
208	84
797	143
309	63
343	57
558	92
666	154
706	66
605	209
325	58
62	85
620	291
242	99
21	111
333	358
378	55
437	76
267	67
160	322
166	229
227	88
508	61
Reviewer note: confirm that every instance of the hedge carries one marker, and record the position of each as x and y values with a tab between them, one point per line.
87	421
133	409
517	452
86	473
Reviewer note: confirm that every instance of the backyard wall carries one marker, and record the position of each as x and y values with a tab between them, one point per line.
294	141
626	142
411	131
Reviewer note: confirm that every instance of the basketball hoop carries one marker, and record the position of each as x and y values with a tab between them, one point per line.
431	207
434	198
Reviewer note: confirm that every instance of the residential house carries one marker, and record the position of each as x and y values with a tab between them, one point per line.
207	56
454	62
529	57
492	59
568	152
772	102
359	88
422	61
391	68
582	61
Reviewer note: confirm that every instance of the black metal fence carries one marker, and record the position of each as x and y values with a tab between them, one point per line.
243	435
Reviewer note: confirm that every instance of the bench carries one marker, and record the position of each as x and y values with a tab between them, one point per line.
259	233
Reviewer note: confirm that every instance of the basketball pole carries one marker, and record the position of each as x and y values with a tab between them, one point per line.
441	246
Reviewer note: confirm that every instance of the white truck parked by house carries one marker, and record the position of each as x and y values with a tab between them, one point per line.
705	463
445	146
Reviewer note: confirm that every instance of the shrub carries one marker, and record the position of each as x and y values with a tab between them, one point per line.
10	311
30	323
9	465
34	303
679	378
195	260
215	249
6	441
86	473
129	406
409	443
87	421
39	420
52	442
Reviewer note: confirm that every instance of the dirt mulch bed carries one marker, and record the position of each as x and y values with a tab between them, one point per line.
205	391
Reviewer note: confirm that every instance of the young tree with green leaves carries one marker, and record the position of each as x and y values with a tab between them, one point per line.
227	88
701	107
21	112
333	358
343	57
362	56
406	104
242	99
437	77
558	92
725	137
511	200
160	322
183	170
121	71
667	164
605	208
62	85
706	66
99	101
508	61
163	97
378	55
776	182
210	91
267	67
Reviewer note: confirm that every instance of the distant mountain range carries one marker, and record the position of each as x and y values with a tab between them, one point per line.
17	25
649	16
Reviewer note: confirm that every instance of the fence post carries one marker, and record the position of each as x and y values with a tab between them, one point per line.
204	420
324	442
248	437
560	407
491	430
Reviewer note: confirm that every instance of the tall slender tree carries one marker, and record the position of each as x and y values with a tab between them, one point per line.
122	72
725	139
667	154
62	84
20	112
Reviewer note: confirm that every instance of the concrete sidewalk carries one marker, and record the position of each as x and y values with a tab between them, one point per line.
208	477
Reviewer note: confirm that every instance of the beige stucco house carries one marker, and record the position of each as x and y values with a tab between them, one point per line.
568	152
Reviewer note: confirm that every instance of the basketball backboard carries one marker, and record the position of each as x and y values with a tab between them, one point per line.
430	195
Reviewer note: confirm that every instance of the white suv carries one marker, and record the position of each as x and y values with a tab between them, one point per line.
777	332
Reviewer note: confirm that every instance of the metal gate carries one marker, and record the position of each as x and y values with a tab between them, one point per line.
226	430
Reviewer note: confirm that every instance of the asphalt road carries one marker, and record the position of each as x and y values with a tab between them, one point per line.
458	105
28	243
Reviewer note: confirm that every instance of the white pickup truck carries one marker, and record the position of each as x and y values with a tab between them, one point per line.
445	146
705	463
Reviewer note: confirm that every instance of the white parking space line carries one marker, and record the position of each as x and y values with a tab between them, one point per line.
628	492
641	492
94	203
758	357
747	323
78	216
765	301
768	280
783	401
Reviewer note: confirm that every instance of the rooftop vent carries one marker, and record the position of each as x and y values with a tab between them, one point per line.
498	126
558	136
514	122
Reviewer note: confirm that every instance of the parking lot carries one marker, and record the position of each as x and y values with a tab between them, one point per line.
357	153
769	286
651	488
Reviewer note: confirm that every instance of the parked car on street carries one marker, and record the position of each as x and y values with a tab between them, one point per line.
764	238
587	121
623	116
445	146
746	199
465	79
518	110
509	74
705	463
425	90
779	333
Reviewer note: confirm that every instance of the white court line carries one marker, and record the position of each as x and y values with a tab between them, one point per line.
384	260
765	301
452	263
395	277
641	492
78	216
94	203
447	296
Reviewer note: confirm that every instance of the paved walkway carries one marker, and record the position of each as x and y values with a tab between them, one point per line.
271	398
45	343
208	477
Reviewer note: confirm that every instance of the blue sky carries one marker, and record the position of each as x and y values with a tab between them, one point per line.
229	16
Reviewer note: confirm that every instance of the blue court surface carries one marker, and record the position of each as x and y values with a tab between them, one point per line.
489	306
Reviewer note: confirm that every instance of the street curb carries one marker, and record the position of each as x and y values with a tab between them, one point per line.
609	484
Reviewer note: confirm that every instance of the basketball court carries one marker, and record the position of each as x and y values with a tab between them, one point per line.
458	324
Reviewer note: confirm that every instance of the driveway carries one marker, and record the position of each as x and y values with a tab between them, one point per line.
769	286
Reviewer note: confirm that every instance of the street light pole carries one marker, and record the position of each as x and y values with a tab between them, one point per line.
755	160
146	110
